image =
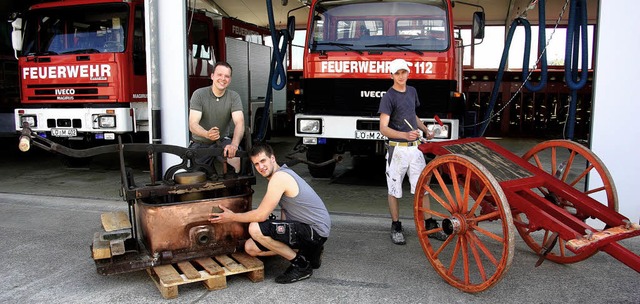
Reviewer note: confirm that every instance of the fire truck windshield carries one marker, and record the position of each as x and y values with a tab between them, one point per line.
95	28
380	26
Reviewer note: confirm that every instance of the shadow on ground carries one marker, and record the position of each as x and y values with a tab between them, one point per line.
364	171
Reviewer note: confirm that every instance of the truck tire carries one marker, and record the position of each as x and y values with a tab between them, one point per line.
319	154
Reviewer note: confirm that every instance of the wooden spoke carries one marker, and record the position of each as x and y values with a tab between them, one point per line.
479	248
537	160
489	234
456	187
580	166
444	245
478	261
488	254
479	200
582	175
488	216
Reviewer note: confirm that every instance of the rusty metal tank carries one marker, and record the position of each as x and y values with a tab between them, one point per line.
176	226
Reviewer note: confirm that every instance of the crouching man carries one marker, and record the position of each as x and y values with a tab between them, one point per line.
300	234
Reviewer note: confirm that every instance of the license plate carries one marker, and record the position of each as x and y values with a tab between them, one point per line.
375	135
64	132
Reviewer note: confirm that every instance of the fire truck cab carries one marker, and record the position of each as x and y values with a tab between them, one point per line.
83	74
349	47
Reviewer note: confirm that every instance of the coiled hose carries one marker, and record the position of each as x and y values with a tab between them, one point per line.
576	38
277	70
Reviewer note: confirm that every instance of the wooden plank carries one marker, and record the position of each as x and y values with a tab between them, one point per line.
601	238
255	265
115	221
256	275
230	263
167	274
210	266
189	271
167	292
216	283
100	249
247	261
500	167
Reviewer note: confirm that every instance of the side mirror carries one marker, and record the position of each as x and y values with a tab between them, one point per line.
478	25
16	35
291	27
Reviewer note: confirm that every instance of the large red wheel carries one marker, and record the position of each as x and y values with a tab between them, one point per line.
572	163
480	244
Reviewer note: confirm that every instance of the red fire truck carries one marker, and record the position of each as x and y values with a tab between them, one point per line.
349	47
9	96
82	66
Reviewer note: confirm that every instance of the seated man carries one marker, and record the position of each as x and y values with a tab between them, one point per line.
211	110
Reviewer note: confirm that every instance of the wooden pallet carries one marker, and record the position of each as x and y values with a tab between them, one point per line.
212	272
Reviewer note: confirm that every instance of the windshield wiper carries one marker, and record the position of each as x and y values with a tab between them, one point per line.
399	46
82	51
345	46
45	53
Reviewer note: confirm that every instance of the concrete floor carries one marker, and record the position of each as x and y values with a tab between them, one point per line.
48	214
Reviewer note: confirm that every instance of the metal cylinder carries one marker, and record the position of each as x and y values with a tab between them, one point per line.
187	178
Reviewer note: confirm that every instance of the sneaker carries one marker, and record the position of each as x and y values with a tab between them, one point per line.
316	258
438	235
397	237
294	274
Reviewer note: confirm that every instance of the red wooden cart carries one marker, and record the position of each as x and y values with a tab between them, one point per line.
483	193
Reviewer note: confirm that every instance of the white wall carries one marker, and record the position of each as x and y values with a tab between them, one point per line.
616	107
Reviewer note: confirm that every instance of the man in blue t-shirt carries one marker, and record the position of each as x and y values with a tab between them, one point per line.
399	123
305	223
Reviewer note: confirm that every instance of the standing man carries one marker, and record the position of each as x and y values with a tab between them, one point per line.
211	110
399	123
304	225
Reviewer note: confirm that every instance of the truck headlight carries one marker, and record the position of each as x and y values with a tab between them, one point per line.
309	126
440	132
107	121
31	119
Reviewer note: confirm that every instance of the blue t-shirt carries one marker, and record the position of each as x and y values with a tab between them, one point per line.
400	106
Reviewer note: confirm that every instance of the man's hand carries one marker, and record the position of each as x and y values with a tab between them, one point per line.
413	135
230	151
213	134
430	134
220	218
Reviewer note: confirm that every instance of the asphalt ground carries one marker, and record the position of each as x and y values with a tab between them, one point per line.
48	214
